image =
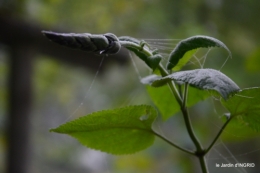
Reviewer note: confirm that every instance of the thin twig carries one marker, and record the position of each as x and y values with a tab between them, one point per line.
218	135
173	144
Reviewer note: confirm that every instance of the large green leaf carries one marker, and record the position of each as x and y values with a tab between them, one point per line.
245	106
191	43
119	131
206	79
167	104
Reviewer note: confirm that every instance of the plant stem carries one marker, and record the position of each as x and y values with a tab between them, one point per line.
187	120
185	95
162	70
200	152
182	104
129	44
173	144
171	84
203	164
180	91
218	135
190	130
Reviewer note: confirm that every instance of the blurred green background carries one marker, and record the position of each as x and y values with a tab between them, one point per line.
62	88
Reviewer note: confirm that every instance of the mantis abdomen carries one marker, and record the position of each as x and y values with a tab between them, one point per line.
100	44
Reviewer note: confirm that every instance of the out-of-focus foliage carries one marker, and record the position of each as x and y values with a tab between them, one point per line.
3	104
253	61
61	92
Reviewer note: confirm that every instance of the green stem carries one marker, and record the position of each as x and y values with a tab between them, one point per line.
200	153
217	136
171	84
188	122
173	144
128	44
203	164
162	70
190	130
185	95
180	91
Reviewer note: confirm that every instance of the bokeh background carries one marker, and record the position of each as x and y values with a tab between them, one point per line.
43	85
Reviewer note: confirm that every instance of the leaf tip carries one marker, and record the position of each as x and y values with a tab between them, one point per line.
52	130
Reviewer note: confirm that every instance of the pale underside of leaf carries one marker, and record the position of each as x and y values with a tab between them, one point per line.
206	79
190	44
118	131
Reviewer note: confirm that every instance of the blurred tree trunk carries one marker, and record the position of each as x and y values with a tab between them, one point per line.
19	109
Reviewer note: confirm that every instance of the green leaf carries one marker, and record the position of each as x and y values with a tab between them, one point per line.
245	106
183	61
206	79
167	104
190	44
119	131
